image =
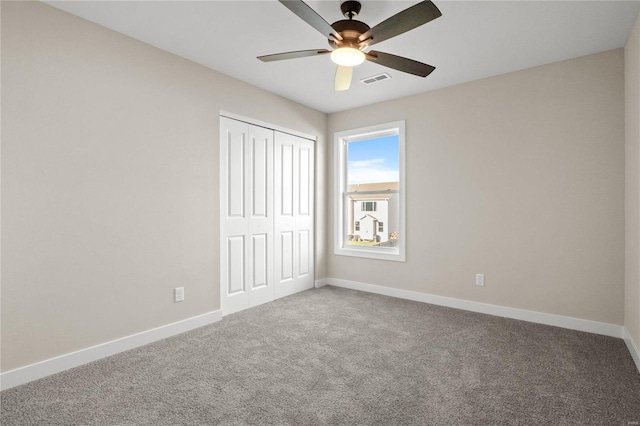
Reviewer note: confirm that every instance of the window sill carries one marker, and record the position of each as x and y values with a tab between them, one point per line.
379	253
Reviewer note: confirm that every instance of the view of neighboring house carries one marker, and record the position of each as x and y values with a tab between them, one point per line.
373	212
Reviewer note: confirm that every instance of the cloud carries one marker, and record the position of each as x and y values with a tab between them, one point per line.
371	171
365	163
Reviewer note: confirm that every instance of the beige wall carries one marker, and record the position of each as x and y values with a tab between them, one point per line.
632	184
110	182
519	177
110	186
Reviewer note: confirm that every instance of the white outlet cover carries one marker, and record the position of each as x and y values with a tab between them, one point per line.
178	294
480	280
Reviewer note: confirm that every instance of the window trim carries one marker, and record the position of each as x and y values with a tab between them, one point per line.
397	253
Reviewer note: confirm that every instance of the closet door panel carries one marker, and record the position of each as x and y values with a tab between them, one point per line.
294	220
246	216
304	186
286	256
260	256
304	218
234	225
261	171
286	181
284	219
236	265
303	259
235	172
260	198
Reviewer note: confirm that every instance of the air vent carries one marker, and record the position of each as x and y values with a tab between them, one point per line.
376	78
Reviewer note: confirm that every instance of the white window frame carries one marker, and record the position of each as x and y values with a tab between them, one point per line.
341	139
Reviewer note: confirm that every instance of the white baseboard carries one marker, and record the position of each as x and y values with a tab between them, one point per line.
321	282
64	362
633	349
606	329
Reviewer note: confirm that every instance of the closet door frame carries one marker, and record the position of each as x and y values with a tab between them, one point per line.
223	204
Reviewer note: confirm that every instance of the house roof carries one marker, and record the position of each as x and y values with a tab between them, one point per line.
369	187
369	197
377	186
367	216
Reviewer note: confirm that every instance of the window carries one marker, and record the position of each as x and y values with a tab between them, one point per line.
369	190
368	206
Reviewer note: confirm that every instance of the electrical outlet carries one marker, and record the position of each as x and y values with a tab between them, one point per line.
480	280
178	294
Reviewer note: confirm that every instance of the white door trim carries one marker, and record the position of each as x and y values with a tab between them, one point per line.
266	125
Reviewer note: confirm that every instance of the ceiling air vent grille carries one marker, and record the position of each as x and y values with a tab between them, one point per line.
376	78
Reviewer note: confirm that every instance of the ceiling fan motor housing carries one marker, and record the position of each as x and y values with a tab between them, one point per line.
350	30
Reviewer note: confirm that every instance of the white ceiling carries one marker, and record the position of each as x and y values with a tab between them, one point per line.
472	40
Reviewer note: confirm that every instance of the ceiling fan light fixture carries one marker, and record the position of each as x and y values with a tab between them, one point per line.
347	56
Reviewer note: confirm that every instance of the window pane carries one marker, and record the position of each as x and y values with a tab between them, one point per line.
372	192
368	206
373	160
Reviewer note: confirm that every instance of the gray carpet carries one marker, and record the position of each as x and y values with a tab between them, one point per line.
341	357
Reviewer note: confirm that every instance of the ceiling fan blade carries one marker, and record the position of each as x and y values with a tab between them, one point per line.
399	63
343	78
402	22
293	55
311	17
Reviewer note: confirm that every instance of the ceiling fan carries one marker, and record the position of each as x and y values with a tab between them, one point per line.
350	38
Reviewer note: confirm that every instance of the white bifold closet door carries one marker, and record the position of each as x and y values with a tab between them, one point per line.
294	203
246	252
266	214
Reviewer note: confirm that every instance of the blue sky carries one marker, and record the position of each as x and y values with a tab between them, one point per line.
373	160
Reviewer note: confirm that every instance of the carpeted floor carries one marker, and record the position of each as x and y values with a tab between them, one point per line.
342	357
